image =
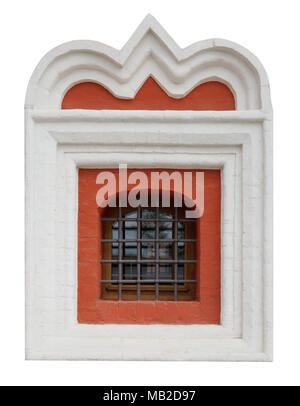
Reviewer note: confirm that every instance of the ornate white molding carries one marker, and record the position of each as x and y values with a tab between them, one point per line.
239	143
149	52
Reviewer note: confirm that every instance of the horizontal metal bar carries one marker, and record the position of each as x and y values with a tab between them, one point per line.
146	240
183	220
124	281
148	261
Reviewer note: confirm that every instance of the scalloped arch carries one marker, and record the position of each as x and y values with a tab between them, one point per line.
92	96
149	52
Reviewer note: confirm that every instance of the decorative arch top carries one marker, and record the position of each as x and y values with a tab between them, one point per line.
207	96
149	52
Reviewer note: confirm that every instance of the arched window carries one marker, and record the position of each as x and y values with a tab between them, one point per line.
148	254
141	266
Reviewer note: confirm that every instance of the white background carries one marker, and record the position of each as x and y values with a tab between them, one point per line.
270	29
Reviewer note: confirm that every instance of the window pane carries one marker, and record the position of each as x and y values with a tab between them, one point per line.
164	215
148	213
131	215
180	271
130	230
180	250
114	272
147	271
130	250
165	230
148	250
181	232
148	230
129	271
165	250
165	272
115	250
115	231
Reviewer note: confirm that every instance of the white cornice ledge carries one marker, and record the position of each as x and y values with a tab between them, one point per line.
146	116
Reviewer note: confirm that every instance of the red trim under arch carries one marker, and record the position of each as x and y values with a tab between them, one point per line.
211	95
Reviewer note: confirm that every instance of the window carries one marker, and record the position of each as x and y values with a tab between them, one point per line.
67	316
148	254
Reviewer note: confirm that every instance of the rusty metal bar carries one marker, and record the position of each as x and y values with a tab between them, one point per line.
148	261
120	253
175	226
138	254
157	254
150	240
124	281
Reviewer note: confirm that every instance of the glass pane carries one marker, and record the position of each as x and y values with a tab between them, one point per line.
130	230
131	215
115	231
130	250
148	250
114	272
164	215
165	230
181	233
165	272
115	250
165	250
148	230
148	271
180	271
148	213
129	271
180	250
148	227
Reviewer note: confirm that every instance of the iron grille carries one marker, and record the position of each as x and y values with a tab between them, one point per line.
130	238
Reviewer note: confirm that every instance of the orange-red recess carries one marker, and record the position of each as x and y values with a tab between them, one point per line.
207	96
91	309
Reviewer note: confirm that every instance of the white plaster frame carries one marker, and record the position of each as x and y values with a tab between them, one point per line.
58	142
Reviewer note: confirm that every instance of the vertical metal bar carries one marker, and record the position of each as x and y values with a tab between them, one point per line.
120	253
138	253
176	254
157	253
